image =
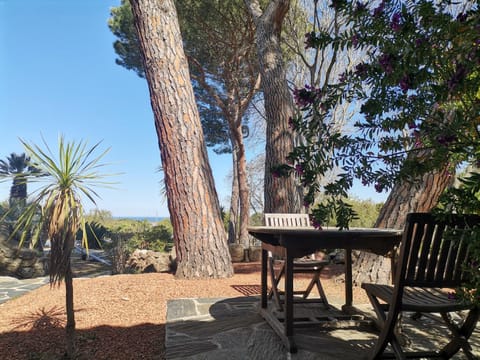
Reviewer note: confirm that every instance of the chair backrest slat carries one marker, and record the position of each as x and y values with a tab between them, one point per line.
434	252
287	220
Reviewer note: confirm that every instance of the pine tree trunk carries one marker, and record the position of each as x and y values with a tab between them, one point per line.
243	188
234	200
70	327
404	198
281	194
199	236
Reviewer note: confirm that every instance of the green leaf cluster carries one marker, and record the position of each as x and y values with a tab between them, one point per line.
418	90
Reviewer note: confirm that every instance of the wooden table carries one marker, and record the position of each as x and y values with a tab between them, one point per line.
297	242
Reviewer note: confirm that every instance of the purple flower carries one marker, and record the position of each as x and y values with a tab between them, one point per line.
395	24
462	17
412	126
291	123
378	187
379	10
306	96
355	40
452	296
361	69
316	224
405	83
446	140
386	62
420	41
299	169
306	204
418	140
360	7
343	77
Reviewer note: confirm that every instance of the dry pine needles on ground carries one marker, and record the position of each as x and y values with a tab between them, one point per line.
122	316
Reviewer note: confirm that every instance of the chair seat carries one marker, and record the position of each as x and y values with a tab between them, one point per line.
310	263
303	264
419	299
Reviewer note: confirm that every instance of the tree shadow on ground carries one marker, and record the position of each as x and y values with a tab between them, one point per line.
328	272
41	336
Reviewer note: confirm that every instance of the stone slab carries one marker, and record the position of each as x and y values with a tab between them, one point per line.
232	329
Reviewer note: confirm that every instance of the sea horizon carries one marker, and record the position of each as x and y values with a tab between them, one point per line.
152	219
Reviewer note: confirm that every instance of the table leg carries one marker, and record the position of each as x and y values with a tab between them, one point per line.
288	295
348	279
264	278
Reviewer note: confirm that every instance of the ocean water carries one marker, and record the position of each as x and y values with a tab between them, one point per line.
152	219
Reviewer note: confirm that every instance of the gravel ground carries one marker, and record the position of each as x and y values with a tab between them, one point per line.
121	316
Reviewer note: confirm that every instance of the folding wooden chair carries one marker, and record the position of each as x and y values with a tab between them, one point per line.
300	266
432	261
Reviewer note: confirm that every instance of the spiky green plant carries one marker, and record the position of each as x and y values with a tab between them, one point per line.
68	178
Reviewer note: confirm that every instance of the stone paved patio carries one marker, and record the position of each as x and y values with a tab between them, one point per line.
232	329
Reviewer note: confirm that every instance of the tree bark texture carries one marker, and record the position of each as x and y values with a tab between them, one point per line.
234	200
405	197
280	193
200	239
70	326
242	182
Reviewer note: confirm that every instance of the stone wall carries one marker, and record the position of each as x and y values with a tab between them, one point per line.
19	263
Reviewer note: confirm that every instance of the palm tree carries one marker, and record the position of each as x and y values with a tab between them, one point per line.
66	179
17	167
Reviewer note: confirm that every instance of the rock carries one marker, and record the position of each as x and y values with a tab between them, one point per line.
22	264
237	252
143	261
255	253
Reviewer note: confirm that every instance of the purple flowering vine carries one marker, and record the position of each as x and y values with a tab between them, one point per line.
405	83
386	62
446	140
378	11
361	69
299	170
291	124
396	24
355	40
306	96
360	7
420	41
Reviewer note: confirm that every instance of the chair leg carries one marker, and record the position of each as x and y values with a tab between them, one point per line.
316	282
310	286
461	334
387	330
275	280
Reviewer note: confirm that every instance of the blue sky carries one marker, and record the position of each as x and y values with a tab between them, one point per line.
58	76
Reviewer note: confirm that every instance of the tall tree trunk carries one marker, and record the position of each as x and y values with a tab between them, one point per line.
242	185
18	191
405	197
234	199
280	193
70	327
199	236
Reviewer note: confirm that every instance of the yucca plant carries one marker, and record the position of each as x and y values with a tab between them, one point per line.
68	178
